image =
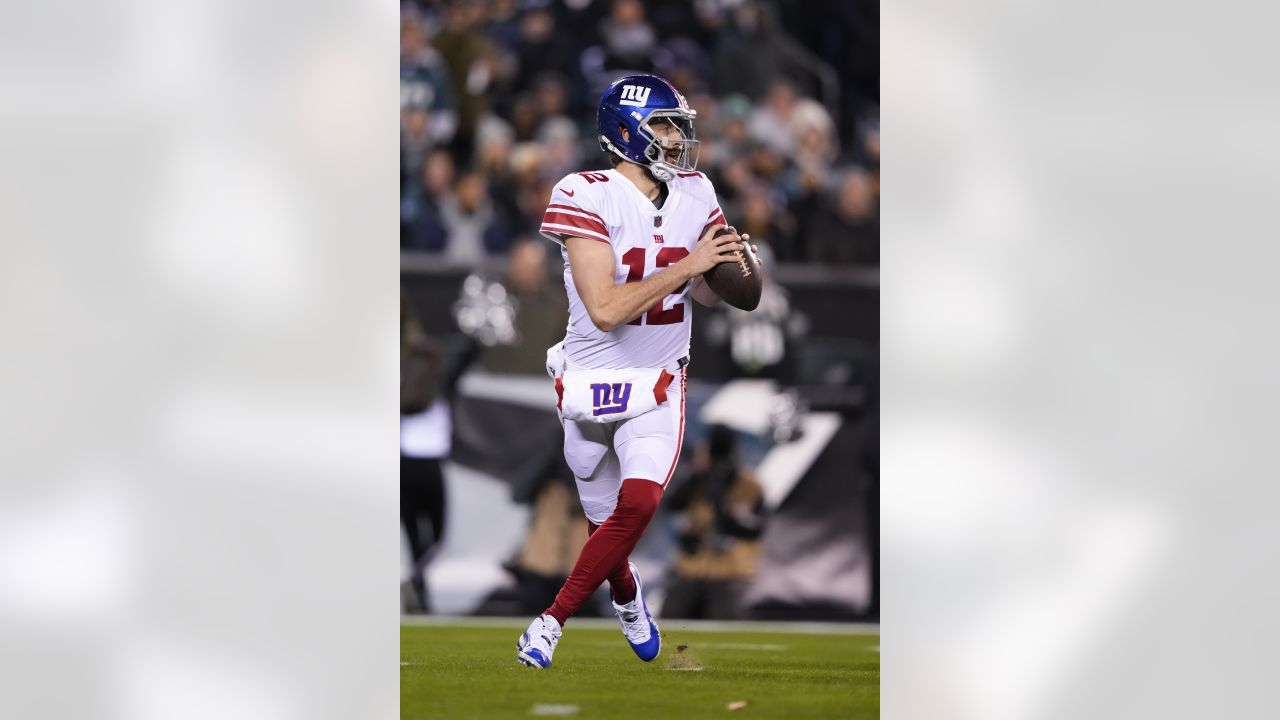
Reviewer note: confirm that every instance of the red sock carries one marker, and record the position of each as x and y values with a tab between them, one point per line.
608	547
620	580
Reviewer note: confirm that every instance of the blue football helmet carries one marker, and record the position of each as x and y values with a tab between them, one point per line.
636	104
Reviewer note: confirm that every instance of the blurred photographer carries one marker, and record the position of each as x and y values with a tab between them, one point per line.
723	508
424	441
542	309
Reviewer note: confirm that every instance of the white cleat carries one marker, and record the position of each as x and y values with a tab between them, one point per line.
637	625
539	642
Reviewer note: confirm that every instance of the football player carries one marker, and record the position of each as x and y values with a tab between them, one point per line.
635	240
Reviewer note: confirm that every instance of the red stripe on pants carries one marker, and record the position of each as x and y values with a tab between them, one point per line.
684	382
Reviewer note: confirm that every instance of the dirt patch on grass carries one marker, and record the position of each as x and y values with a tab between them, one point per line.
684	658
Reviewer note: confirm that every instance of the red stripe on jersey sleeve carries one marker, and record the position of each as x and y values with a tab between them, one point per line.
565	230
563	218
558	206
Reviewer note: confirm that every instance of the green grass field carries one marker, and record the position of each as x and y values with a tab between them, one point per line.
464	671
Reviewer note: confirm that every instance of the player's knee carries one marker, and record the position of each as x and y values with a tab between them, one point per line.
597	510
583	458
639	498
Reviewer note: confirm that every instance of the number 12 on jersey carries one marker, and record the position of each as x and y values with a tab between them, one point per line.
634	259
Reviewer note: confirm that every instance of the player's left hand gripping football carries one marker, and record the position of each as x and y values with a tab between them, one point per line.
755	250
713	249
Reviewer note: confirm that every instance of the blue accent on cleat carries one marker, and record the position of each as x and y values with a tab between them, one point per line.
652	647
534	659
535	646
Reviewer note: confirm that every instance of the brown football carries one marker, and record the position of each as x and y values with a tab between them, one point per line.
737	283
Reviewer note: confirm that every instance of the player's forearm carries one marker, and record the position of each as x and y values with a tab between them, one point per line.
700	291
624	303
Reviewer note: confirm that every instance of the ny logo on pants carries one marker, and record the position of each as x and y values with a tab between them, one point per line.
607	399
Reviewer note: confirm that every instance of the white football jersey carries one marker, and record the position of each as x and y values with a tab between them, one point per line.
607	207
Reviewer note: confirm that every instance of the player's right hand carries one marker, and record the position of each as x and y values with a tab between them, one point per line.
712	250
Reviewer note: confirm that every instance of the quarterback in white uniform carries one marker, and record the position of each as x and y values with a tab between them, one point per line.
636	240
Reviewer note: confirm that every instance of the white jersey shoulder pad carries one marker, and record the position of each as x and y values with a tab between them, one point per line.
577	207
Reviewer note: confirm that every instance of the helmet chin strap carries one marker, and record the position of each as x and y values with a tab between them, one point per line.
662	172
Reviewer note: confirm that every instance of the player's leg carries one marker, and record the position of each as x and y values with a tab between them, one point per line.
622	586
619	514
609	546
589	454
599	497
588	451
648	448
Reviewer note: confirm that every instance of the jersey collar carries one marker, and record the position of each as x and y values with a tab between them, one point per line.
673	195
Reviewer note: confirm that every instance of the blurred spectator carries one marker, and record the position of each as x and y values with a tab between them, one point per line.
846	35
686	64
871	149
816	144
472	227
767	221
473	64
524	117
494	142
424	440
733	181
559	138
719	535
534	185
726	129
424	87
628	38
848	229
578	21
551	96
804	186
540	48
753	53
503	23
421	224
438	174
541	316
415	141
678	19
785	119
768	165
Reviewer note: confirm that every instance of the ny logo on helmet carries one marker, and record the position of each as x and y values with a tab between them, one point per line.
636	95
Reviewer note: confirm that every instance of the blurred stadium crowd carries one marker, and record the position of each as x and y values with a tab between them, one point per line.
498	101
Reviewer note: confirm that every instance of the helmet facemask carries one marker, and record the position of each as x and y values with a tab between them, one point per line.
670	153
